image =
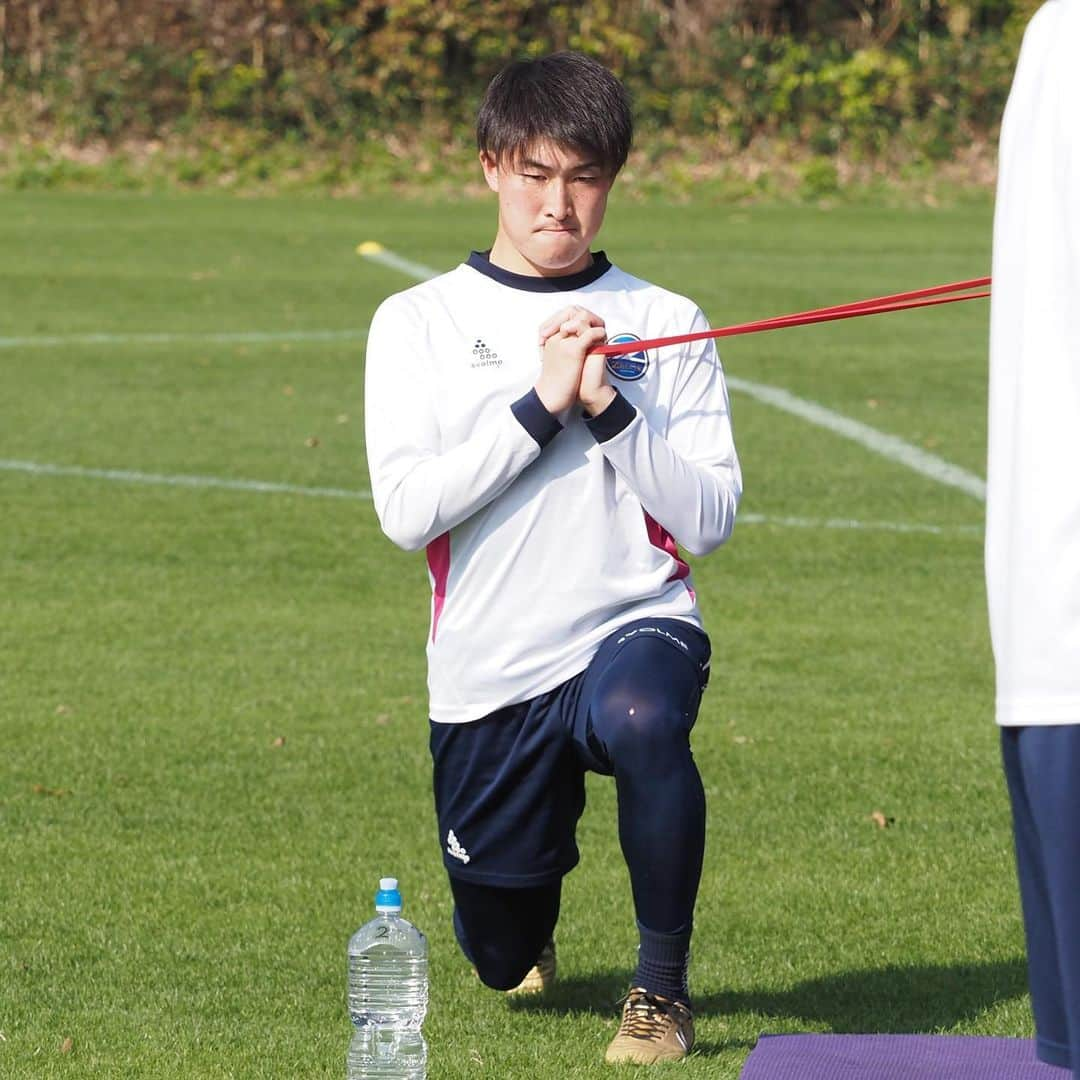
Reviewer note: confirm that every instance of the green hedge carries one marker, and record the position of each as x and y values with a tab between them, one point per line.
853	78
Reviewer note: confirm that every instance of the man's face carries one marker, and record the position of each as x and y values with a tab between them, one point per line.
551	206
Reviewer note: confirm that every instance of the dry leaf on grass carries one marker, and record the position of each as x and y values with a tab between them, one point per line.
881	821
279	741
67	1046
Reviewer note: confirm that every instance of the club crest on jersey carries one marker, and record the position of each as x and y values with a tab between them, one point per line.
629	366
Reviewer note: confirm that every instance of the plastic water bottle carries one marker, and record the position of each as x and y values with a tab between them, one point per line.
388	993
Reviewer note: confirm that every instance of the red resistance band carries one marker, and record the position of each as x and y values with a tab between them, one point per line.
877	306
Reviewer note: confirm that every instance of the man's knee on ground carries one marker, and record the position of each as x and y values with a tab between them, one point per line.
501	970
502	931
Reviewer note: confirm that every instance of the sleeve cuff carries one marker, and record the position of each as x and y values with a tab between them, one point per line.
615	418
535	419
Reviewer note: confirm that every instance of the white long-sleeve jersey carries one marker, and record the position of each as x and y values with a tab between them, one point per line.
1033	474
543	534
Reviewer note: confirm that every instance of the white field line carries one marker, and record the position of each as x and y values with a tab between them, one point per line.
129	476
244	337
262	487
888	446
373	251
878	442
860	526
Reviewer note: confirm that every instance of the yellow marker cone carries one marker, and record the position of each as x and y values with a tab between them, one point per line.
369	247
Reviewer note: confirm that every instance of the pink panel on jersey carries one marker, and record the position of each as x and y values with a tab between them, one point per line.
438	560
659	537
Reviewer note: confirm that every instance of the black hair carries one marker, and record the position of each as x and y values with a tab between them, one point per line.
565	98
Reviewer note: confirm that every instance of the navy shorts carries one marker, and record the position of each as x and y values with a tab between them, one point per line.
510	787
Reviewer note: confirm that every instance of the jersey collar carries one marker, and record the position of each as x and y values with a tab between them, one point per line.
479	260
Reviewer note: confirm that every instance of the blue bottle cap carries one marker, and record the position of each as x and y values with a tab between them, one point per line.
388	898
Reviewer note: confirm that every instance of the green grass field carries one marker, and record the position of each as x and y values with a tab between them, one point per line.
213	735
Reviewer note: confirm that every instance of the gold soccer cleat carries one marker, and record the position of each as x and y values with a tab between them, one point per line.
653	1029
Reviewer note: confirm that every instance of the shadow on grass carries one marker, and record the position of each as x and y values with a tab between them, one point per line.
889	1000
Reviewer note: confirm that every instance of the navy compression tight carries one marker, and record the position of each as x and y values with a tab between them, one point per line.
642	703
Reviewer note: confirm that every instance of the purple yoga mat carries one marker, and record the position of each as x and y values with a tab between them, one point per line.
895	1057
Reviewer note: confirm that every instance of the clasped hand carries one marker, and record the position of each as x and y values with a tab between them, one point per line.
568	373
